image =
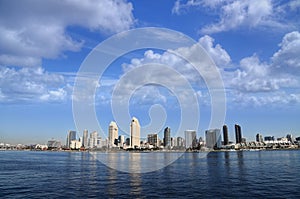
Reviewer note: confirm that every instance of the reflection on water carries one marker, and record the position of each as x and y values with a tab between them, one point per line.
132	162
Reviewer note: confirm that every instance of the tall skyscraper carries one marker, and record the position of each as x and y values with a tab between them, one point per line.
135	133
93	139
112	134
71	137
238	133
190	139
167	137
225	135
213	138
259	138
85	138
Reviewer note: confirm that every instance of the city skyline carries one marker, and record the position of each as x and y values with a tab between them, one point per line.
256	55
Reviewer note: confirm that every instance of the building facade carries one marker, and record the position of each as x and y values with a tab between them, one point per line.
135	133
112	134
167	137
213	138
238	133
225	135
190	139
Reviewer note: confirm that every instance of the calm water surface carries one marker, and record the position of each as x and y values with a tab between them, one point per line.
244	174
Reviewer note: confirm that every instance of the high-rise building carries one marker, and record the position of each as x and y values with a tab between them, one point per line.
259	138
213	138
85	138
238	133
290	138
225	135
71	137
135	133
93	141
167	137
112	134
153	139
121	140
190	139
180	142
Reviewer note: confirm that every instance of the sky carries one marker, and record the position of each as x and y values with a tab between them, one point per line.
255	45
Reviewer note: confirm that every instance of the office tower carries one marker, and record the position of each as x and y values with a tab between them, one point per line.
153	139
190	139
85	138
213	138
135	133
259	138
269	138
71	137
167	137
290	138
225	135
180	142
93	139
121	140
112	134
238	133
127	142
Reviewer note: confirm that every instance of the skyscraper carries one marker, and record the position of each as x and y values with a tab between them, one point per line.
213	138
238	133
93	139
190	139
225	135
85	138
112	134
71	137
167	137
135	133
121	140
259	138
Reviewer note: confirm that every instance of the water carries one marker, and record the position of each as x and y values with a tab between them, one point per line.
244	174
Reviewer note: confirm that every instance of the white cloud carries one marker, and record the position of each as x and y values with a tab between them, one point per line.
32	30
217	53
234	13
31	85
255	76
287	59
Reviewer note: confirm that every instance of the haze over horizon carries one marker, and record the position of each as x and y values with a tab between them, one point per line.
255	45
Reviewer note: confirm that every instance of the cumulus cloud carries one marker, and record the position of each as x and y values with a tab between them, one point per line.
31	85
32	30
256	76
234	13
287	59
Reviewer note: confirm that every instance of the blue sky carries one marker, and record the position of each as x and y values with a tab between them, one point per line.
254	43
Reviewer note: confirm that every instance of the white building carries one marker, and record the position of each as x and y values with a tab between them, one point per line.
135	133
85	138
112	134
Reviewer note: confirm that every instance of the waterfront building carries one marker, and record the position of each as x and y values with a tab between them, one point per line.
112	134
190	139
238	133
269	138
71	136
153	139
75	144
225	135
121	140
167	137
127	142
93	141
290	138
180	142
213	138
135	133
54	144
259	138
85	140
